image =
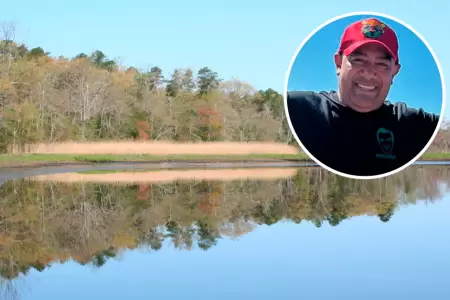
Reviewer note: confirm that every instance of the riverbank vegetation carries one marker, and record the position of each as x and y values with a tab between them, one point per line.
89	97
38	159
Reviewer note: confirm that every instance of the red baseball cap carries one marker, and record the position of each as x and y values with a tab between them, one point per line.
369	31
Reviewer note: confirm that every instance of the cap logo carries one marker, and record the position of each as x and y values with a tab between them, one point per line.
372	28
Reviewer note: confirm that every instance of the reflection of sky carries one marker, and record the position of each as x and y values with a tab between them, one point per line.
362	258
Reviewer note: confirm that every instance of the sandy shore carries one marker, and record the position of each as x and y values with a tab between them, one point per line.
163	148
171	175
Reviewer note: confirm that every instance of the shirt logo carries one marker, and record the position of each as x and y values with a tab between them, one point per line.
385	138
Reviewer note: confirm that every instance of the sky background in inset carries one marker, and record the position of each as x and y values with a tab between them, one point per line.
418	83
251	40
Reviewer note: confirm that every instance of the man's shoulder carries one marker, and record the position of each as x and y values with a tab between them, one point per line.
309	98
310	95
405	113
301	94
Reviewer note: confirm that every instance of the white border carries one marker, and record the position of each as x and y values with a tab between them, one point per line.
441	116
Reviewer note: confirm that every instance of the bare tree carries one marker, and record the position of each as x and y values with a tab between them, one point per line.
8	31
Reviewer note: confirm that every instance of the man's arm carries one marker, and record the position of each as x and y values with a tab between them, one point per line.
425	123
308	115
302	114
421	125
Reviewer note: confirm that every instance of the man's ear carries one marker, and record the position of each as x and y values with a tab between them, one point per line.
395	71
338	62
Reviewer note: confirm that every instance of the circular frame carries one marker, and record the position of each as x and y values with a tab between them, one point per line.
441	116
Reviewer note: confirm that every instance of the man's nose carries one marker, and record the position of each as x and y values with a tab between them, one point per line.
368	72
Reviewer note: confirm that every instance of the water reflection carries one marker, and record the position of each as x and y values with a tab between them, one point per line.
92	217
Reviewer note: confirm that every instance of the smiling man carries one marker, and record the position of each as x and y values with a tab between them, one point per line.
356	130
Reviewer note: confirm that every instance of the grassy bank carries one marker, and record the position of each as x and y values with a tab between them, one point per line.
43	159
38	159
436	156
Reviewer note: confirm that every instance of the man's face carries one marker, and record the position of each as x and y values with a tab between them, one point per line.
365	77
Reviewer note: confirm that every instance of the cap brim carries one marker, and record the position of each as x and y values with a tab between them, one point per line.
350	49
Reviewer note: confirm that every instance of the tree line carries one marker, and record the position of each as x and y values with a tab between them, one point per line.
91	97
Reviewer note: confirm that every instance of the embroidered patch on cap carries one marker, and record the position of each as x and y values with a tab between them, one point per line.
372	28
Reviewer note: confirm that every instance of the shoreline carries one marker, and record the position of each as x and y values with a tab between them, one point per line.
51	160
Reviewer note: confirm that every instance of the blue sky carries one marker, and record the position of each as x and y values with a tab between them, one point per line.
251	40
314	67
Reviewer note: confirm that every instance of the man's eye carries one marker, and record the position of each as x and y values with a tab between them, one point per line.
383	64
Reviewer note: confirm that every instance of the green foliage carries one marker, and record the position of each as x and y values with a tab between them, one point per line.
36	53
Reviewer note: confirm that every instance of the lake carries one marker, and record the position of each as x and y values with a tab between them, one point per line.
290	233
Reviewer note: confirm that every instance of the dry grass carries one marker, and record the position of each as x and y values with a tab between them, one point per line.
170	175
162	148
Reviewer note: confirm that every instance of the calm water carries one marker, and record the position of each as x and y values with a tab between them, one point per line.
302	234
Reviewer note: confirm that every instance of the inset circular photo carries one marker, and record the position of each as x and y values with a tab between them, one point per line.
364	95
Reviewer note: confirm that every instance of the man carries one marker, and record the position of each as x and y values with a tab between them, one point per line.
355	130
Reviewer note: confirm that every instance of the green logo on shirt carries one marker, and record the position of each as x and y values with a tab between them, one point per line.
385	139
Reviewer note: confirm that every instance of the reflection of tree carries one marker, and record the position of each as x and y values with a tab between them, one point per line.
44	222
208	235
386	216
149	236
8	290
337	195
100	258
387	212
181	236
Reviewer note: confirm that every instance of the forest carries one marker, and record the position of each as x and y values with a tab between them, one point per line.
90	97
49	98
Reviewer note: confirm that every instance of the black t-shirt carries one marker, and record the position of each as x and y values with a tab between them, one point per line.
355	143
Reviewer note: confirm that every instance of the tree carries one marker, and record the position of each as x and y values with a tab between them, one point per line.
36	53
99	59
8	31
207	80
155	78
81	55
174	84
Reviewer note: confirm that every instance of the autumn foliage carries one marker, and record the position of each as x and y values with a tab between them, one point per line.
143	127
90	97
